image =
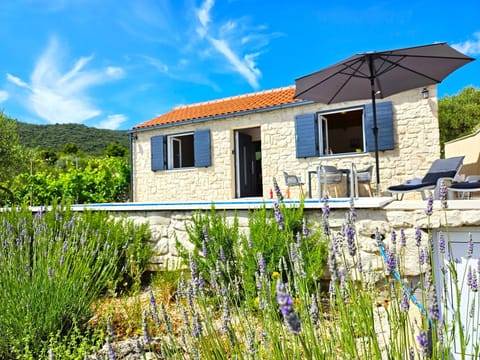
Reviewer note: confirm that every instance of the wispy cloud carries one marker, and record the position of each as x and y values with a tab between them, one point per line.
225	39
470	47
62	96
112	122
3	96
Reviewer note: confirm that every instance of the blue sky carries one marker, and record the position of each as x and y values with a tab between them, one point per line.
117	63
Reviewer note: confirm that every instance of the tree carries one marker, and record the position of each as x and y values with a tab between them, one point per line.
459	115
115	150
13	157
70	148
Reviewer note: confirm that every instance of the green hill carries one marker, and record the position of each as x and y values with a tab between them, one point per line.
91	141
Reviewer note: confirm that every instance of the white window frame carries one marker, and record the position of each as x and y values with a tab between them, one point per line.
173	140
323	142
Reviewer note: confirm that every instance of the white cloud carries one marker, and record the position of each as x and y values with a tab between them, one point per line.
62	97
203	15
115	72
17	81
224	43
112	122
470	47
3	96
245	67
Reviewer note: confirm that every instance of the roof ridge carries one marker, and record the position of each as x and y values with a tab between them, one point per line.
216	101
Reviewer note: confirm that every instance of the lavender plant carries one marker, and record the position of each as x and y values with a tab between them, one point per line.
55	264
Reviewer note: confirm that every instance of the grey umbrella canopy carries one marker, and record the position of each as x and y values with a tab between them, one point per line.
378	75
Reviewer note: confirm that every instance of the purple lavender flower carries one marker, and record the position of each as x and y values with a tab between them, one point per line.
434	310
305	229
278	216
423	343
278	192
391	262
332	261
225	316
421	257
145	330
153	309
62	260
286	306
314	310
325	215
261	264
193	268
205	234
393	237
204	248
51	273
221	255
418	236
405	303
474	282
403	238
441	242
470	246
443	192
429	208
349	233
249	242
197	325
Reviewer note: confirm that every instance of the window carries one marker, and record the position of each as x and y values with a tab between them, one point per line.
178	151
344	131
341	132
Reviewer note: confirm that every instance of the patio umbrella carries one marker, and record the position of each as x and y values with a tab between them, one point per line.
378	75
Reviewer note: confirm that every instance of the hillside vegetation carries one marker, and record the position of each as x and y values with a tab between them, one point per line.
89	140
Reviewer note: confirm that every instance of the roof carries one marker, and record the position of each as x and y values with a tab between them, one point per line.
226	106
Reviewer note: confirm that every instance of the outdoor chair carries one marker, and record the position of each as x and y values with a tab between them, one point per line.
293	180
328	174
465	188
441	170
365	177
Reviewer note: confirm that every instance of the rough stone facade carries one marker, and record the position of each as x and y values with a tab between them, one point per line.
416	137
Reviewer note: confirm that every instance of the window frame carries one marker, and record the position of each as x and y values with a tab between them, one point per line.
323	130
174	139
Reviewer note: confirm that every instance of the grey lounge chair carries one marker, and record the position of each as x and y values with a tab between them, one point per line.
465	188
441	170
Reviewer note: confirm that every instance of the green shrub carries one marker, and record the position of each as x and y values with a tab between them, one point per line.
54	265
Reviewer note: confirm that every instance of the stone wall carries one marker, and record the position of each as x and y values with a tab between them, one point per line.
169	225
416	137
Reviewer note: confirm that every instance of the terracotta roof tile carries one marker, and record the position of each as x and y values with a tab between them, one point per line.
225	106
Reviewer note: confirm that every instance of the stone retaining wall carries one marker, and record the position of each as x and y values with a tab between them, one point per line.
167	225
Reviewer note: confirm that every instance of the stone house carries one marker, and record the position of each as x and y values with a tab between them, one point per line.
233	147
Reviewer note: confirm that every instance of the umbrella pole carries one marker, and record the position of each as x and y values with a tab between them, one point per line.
375	128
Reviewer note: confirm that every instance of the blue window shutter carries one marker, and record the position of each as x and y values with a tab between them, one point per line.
201	144
306	135
157	149
384	125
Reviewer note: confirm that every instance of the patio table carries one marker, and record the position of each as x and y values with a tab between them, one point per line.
345	171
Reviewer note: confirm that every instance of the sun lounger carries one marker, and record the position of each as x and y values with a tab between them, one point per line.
441	170
465	188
